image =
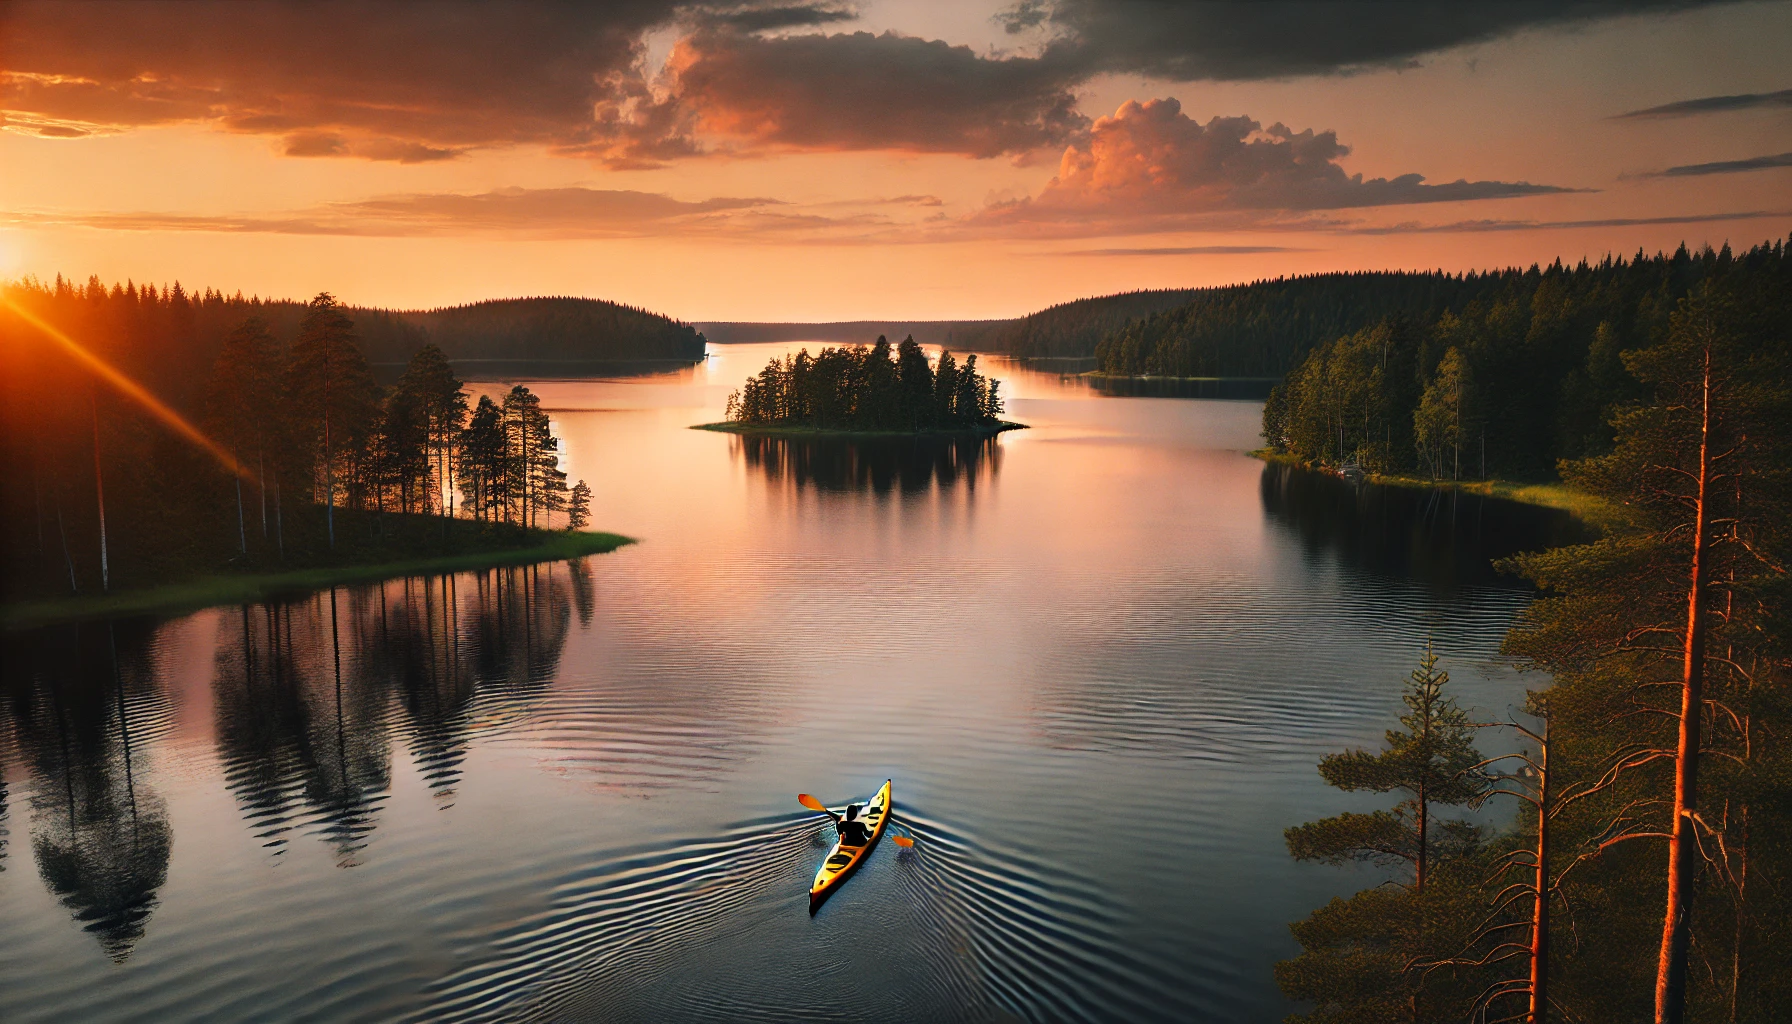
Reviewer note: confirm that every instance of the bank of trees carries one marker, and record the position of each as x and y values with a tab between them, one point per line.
290	435
1648	874
1524	371
869	388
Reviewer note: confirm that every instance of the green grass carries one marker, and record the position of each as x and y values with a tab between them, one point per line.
1588	508
206	591
756	430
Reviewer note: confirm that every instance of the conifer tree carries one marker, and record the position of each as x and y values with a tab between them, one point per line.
331	391
578	506
1429	759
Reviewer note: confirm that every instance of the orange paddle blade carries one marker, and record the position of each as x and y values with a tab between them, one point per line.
810	802
902	841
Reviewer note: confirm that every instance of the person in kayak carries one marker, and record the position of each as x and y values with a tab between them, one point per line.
853	831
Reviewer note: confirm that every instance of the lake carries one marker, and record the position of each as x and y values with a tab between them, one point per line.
1099	657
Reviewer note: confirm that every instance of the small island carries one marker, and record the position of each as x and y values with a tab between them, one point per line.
867	391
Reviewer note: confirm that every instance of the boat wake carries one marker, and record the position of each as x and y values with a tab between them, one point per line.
950	930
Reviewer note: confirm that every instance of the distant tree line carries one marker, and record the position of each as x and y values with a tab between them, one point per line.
103	493
1070	329
1647	873
1528	370
869	388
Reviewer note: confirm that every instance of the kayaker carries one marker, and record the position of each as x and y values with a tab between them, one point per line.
853	832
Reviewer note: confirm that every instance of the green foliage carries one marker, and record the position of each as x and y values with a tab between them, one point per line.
172	509
1538	372
1612	631
1429	760
863	388
1357	954
578	506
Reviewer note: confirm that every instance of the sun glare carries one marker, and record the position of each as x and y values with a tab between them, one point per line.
130	389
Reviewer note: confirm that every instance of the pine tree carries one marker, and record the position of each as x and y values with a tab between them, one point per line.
332	393
1430	760
578	506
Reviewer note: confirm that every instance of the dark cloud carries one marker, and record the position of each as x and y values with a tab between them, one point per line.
1754	163
1476	226
1183	250
516	212
413	81
1712	105
865	91
382	78
1151	167
748	18
1196	40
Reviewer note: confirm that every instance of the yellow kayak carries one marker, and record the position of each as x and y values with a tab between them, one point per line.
842	860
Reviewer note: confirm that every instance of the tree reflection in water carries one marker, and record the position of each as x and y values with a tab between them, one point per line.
310	693
310	697
1444	539
82	702
879	465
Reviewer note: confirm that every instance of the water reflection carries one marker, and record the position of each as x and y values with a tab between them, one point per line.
908	465
309	693
80	705
1444	539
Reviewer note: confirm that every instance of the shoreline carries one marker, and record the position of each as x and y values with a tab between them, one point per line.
1587	508
818	433
210	591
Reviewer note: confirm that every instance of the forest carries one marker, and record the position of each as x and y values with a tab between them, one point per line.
1527	370
275	455
869	389
1637	864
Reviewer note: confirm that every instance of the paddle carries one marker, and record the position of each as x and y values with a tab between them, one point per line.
813	804
902	841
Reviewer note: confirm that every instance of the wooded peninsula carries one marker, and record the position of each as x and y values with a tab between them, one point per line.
249	455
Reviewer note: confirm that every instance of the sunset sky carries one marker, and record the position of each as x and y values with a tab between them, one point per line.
785	160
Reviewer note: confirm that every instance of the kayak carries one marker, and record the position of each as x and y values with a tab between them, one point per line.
844	860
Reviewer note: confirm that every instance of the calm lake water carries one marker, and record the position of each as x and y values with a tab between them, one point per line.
1099	658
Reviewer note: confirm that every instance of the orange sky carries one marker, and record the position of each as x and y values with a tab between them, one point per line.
794	161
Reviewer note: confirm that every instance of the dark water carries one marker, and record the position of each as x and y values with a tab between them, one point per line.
1099	658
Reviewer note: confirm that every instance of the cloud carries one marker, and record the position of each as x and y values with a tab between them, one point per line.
410	81
413	82
1754	163
863	91
749	18
392	80
1476	226
1151	167
1183	250
553	213
1286	38
1712	105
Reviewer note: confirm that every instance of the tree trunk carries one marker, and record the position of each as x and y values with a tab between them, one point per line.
329	469
1741	915
1423	814
242	535
279	518
99	494
1676	926
1540	913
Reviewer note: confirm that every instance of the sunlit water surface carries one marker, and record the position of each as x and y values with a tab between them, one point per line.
1099	658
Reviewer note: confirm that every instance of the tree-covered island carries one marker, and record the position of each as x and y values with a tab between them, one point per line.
867	390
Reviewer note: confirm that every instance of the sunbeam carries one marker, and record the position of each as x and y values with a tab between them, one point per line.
132	390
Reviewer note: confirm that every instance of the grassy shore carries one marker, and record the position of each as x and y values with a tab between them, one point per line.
795	432
206	591
1588	508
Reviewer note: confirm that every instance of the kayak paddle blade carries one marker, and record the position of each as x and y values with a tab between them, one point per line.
902	841
810	802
